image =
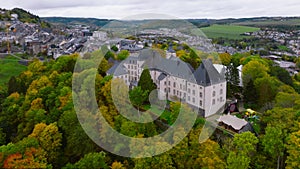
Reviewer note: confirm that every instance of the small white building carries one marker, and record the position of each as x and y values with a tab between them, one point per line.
101	35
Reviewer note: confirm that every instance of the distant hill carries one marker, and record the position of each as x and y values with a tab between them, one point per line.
261	22
23	16
84	21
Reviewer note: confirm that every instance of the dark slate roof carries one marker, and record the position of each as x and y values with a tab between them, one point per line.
171	50
176	68
118	69
111	60
162	76
207	74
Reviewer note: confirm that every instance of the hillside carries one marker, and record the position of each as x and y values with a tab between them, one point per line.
227	31
261	22
85	21
23	16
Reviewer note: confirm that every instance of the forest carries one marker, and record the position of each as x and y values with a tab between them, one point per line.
39	127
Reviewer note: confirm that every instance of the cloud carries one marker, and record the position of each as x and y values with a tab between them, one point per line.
179	8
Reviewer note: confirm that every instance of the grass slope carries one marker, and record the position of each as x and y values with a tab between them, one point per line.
227	31
9	67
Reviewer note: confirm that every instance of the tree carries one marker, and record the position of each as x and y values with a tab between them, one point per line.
225	58
282	74
161	161
244	147
267	88
49	138
138	96
250	94
23	154
209	156
287	100
91	161
281	117
273	142
74	136
114	48
117	165
146	83
233	79
2	137
293	150
109	54
123	55
32	158
235	161
12	85
253	70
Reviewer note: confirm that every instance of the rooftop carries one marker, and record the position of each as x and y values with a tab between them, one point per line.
234	122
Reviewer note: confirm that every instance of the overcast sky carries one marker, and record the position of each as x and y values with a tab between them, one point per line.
118	9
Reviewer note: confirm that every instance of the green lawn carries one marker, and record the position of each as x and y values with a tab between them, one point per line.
9	67
287	22
227	31
164	114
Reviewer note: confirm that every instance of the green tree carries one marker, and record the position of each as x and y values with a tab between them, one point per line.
287	100
250	94
138	97
282	74
109	54
74	136
114	48
91	161
2	137
225	58
12	85
253	70
123	55
146	83
267	88
273	142
244	147
293	150
49	138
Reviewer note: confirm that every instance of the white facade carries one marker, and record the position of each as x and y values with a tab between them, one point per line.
100	35
208	99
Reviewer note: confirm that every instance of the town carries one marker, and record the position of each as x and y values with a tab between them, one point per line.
150	93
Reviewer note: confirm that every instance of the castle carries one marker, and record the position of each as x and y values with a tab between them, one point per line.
203	89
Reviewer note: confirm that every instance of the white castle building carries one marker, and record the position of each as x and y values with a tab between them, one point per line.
204	89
